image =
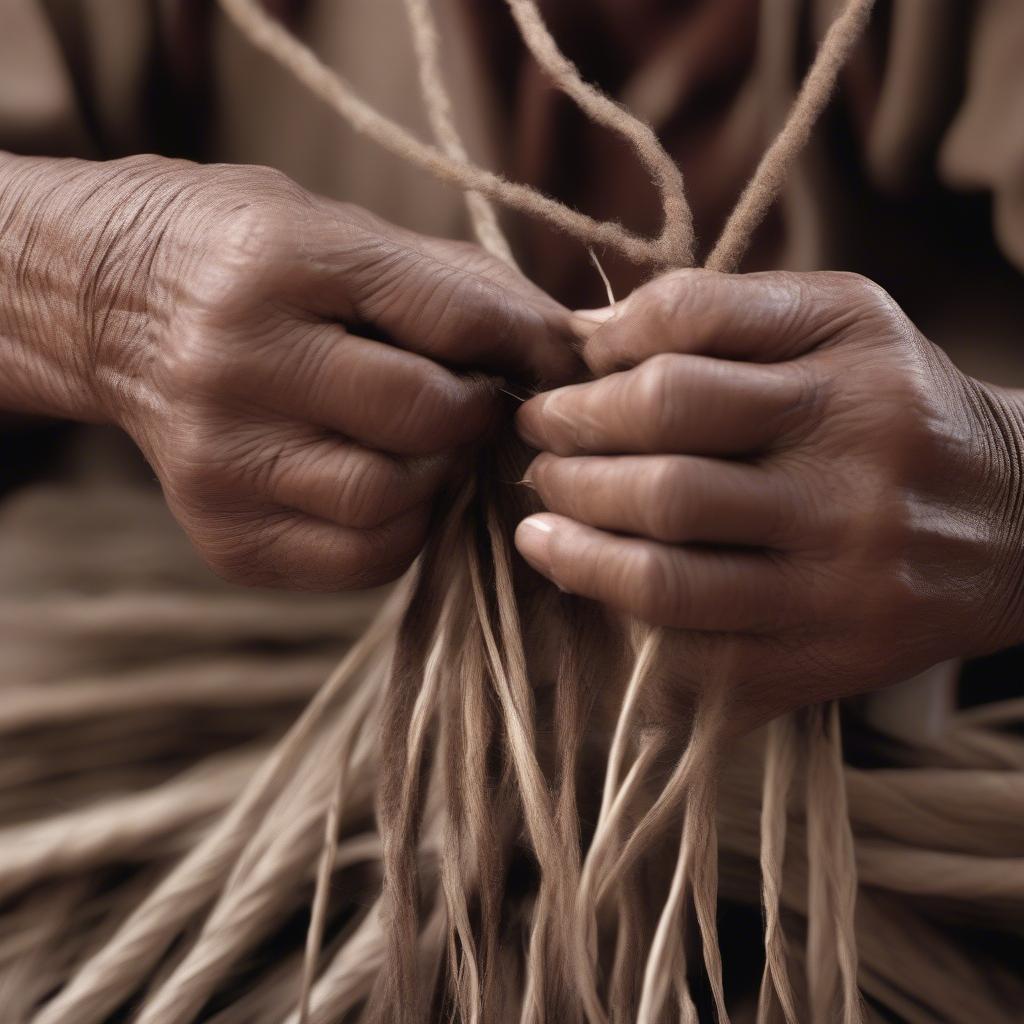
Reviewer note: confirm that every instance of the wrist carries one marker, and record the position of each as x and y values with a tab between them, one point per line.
1002	411
81	247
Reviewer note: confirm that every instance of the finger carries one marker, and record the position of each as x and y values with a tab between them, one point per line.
336	480
768	317
376	394
679	404
670	498
450	301
285	548
700	589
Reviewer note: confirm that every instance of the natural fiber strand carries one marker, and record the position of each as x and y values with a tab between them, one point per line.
470	896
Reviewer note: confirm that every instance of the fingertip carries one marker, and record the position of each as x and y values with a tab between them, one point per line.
531	477
595	328
529	421
586	322
532	540
558	361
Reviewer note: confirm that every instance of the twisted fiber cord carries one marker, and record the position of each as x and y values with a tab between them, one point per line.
832	878
669	802
676	239
463	964
666	961
31	706
763	188
269	872
140	941
466	861
268	35
673	246
111	974
918	970
439	110
479	823
576	693
507	663
703	829
359	959
780	763
967	810
584	948
325	871
643	663
99	834
398	808
686	789
614	800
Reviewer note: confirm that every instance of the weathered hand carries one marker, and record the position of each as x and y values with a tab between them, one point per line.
306	394
302	376
784	463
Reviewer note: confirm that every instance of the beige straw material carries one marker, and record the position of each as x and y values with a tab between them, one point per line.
486	814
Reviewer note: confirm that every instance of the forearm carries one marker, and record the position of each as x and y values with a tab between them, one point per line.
79	242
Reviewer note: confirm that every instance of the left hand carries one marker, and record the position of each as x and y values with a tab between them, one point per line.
783	463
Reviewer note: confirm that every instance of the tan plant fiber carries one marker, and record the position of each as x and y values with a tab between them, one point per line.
485	815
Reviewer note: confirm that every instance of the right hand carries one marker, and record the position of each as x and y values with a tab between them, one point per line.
299	382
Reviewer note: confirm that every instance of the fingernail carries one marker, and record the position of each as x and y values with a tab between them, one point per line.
536	523
532	539
527	482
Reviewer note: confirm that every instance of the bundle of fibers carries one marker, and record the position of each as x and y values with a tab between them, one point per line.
503	805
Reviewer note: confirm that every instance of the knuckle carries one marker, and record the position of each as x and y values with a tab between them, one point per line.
241	257
659	384
479	308
553	477
238	569
797	513
434	412
858	293
688	295
257	227
387	553
261	464
804	391
271	553
668	506
658	587
231	547
196	464
369	491
666	296
796	300
369	573
196	363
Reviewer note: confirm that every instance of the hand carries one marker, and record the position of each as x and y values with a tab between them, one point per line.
302	376
783	463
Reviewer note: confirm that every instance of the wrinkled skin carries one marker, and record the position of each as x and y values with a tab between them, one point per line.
778	465
785	465
302	376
